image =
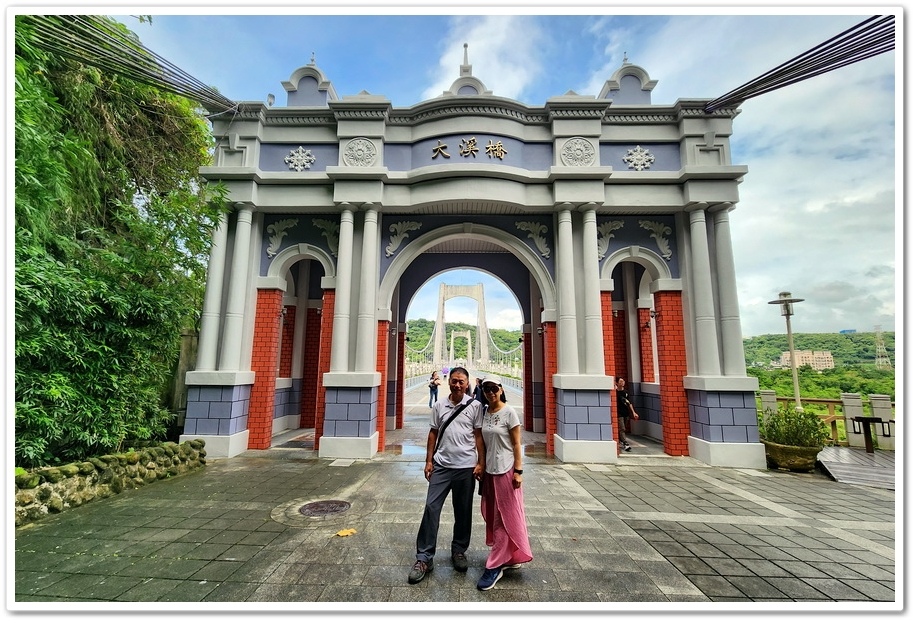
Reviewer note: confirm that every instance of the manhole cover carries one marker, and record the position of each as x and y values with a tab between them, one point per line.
324	507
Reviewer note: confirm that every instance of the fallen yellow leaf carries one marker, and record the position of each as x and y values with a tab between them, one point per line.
346	532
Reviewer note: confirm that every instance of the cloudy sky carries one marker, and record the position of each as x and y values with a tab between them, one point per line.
820	208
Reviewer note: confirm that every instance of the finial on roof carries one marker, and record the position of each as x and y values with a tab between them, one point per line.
625	59
312	62
466	67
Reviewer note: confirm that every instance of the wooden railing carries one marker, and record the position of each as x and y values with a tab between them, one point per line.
834	412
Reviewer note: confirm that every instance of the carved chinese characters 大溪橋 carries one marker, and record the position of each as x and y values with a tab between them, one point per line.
496	150
605	235
468	147
300	159
638	158
439	150
331	232
360	152
398	234
277	231
535	232
659	232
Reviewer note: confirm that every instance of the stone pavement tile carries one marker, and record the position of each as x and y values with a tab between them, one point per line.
727	566
690	565
217	571
151	589
86	587
805	554
801	569
795	588
561	560
203	551
715	586
188	591
563	544
286	593
35	582
737	551
772	553
860	570
764	568
199	535
417	593
231	592
758	589
835	589
348	593
704	550
668	549
228	536
175	568
182	549
873	590
582	597
87	563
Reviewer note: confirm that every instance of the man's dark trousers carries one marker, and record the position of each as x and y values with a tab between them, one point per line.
461	483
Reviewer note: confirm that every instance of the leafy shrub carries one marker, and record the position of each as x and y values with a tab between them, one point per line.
789	427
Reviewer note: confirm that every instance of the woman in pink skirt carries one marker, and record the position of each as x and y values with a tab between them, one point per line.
502	503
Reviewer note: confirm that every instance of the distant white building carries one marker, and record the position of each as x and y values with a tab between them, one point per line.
817	359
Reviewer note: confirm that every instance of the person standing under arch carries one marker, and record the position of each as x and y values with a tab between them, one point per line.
454	461
434	382
625	411
502	503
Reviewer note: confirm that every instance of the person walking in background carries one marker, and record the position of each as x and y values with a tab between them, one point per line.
454	461
502	503
625	411
434	382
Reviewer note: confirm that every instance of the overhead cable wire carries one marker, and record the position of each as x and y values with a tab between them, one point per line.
869	38
93	41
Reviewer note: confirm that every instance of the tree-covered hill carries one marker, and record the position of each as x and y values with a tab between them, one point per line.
420	331
848	349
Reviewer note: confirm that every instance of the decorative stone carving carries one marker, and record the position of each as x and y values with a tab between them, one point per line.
399	234
360	152
659	232
605	235
535	232
331	232
577	152
300	159
638	158
277	232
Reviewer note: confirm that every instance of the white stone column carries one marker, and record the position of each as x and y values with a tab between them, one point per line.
340	338
733	362
704	307
237	299
366	324
591	281
567	338
208	344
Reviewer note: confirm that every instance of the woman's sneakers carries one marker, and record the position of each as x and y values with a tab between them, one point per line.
489	578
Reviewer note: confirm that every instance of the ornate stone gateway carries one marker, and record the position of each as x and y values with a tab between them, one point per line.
606	216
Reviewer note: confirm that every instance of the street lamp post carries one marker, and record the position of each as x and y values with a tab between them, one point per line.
785	300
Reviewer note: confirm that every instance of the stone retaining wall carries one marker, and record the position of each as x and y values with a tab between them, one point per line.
46	490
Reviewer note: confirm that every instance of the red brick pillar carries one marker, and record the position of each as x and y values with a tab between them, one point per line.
381	363
646	361
611	338
311	379
264	365
550	368
286	341
672	368
324	359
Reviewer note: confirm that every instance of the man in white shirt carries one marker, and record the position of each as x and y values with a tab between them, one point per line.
454	463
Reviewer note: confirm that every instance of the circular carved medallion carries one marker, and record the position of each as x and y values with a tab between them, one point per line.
577	152
360	152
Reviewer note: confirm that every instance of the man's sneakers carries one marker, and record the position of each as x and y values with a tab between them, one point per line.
460	561
489	578
626	447
419	571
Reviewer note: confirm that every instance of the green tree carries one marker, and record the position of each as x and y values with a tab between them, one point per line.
112	227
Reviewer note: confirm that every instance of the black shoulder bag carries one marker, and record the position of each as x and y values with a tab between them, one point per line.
449	421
